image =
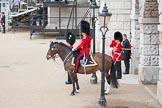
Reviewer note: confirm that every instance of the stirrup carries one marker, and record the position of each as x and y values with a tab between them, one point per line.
73	72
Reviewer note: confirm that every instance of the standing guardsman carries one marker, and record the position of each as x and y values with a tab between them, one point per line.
85	46
117	57
3	22
70	39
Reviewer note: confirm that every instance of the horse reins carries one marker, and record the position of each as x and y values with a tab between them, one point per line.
67	57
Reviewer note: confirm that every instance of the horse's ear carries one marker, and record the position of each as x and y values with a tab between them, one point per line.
51	42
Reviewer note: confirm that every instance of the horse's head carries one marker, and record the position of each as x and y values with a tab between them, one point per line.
52	50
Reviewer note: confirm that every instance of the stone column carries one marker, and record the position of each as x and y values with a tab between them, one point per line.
135	31
159	84
149	42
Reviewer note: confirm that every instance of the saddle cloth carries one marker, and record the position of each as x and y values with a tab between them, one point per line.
85	62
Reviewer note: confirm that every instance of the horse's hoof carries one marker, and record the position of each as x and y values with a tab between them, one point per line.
106	93
76	91
78	88
72	94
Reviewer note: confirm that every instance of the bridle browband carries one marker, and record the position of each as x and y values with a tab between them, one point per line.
67	57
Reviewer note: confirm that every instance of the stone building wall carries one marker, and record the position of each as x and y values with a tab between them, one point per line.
148	68
159	84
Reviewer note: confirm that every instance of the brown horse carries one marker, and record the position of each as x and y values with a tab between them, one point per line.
64	51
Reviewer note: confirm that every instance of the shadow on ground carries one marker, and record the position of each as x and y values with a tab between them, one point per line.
123	104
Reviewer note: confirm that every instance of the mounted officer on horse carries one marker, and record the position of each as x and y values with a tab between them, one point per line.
64	51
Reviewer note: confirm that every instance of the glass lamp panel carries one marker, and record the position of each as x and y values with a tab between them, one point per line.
101	20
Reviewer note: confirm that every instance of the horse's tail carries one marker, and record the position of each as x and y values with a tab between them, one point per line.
113	78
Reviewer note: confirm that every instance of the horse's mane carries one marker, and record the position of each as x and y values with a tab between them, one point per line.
62	44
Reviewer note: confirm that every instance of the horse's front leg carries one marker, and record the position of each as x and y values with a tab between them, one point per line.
73	91
77	84
73	82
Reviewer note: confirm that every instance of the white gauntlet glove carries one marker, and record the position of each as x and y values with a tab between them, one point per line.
73	49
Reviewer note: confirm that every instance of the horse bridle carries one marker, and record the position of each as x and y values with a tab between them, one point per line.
54	48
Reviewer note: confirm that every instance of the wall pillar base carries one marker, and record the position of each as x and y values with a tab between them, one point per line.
159	92
134	66
148	74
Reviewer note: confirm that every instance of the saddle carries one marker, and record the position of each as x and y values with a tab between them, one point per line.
85	62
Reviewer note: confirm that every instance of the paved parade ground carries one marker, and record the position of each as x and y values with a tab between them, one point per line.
28	80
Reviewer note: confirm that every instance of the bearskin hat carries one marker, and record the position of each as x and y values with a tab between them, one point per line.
118	36
70	38
85	27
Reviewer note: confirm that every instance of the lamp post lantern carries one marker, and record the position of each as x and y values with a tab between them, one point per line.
93	6
104	18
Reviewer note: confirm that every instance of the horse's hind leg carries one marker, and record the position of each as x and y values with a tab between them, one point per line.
107	78
107	83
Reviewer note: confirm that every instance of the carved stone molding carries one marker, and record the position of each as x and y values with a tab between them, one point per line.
145	60
154	60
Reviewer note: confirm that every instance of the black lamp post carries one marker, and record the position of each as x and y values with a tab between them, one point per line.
104	18
93	6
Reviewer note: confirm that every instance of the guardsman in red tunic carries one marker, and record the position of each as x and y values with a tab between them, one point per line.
117	57
117	51
85	46
112	45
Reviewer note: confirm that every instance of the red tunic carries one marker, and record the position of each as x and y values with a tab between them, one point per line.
112	45
117	52
85	45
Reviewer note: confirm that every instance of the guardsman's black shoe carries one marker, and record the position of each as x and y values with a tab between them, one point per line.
68	82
